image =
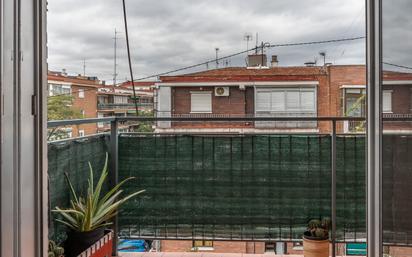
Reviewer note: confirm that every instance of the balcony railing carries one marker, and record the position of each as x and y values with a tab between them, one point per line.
260	187
121	106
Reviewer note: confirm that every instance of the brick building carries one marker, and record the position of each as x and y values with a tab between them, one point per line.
332	90
119	101
92	99
144	92
84	90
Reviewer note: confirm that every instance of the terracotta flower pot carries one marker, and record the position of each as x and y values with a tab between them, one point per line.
314	247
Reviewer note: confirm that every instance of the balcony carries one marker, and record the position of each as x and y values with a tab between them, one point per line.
237	187
122	106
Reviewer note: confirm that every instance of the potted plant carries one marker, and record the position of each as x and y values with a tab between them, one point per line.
55	250
88	216
316	238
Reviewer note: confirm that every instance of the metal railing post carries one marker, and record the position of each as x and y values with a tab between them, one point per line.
114	148
333	166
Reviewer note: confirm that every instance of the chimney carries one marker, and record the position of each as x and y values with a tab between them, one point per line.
257	60
275	61
64	73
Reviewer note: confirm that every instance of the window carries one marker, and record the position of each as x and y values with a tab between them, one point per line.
387	100
201	102
410	100
81	93
121	99
81	133
100	124
58	89
202	243
83	113
286	100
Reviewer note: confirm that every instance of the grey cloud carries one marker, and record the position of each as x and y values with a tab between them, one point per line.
167	34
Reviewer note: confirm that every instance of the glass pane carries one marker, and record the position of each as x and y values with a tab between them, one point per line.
397	134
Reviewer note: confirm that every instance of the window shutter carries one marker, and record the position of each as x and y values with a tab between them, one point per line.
278	101
293	100
263	101
201	102
307	100
387	101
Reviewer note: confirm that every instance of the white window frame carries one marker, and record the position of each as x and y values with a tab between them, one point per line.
81	93
62	87
198	93
81	132
285	91
389	93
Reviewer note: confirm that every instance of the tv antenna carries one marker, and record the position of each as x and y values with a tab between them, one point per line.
84	67
257	43
323	54
247	37
115	57
217	57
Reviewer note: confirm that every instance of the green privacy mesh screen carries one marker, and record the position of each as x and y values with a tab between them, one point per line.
251	187
71	156
397	193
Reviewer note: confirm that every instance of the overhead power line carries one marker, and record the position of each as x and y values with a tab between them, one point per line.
397	65
129	57
243	52
253	49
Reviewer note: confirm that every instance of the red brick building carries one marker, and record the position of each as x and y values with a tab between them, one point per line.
119	101
333	90
84	90
93	99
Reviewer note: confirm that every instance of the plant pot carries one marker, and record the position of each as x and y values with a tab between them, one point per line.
315	247
77	242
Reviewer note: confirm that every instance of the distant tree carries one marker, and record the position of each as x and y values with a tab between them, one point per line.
60	108
144	126
360	126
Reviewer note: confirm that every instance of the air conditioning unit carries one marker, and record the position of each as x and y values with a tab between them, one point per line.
221	91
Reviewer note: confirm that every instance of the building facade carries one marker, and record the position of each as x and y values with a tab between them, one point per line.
92	98
327	91
118	101
83	91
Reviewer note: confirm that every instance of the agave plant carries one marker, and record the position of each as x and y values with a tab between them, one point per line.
92	211
55	250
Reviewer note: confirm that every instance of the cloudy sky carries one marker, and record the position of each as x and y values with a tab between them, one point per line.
169	34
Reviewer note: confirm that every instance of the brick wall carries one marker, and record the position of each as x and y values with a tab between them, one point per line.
218	246
401	104
176	246
229	247
235	104
89	105
232	104
395	251
339	76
